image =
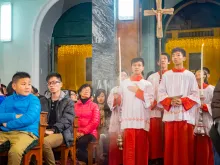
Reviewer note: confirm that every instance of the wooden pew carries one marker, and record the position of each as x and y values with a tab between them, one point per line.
94	147
64	150
37	151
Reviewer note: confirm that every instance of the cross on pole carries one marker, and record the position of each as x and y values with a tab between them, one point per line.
159	12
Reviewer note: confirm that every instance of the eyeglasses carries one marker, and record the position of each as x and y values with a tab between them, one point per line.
53	83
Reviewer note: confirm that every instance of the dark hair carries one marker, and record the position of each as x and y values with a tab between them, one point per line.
206	76
206	69
35	90
54	74
1	88
148	74
107	110
138	59
98	92
181	50
9	89
19	75
69	91
84	86
167	55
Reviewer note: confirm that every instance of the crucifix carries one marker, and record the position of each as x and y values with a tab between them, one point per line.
159	13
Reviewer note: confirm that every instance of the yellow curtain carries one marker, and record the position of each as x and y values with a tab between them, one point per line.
193	45
72	64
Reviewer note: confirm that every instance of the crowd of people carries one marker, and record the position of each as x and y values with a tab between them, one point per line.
163	119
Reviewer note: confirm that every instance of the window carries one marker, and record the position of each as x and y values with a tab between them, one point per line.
5	21
126	10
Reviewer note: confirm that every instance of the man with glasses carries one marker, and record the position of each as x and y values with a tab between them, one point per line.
60	110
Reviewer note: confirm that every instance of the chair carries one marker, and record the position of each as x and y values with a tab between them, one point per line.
64	150
35	148
94	146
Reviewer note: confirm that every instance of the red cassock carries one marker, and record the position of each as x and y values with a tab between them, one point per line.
203	150
179	143
179	138
155	139
115	155
135	147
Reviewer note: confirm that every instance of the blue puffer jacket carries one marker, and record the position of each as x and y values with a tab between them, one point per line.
29	106
2	98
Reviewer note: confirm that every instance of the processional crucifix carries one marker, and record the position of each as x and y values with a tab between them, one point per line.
159	13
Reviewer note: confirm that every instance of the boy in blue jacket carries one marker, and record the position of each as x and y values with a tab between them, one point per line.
19	118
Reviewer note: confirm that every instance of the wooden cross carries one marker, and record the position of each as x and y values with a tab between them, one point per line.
159	13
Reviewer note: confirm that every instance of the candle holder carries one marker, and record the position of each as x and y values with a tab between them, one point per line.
120	142
200	127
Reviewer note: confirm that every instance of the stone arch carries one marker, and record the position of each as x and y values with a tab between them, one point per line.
41	37
180	6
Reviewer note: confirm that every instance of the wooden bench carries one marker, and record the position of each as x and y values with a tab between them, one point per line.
94	147
36	148
64	150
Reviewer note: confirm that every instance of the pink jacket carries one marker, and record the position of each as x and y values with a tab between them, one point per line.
89	117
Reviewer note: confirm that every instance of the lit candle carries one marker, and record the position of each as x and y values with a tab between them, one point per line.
119	58
202	75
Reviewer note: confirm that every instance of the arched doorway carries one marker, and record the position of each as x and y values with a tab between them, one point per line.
43	27
72	40
192	25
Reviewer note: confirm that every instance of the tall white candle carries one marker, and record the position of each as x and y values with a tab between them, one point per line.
119	59
202	75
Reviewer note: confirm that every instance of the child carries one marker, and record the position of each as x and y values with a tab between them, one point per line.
115	155
19	118
105	114
179	94
135	98
204	152
156	128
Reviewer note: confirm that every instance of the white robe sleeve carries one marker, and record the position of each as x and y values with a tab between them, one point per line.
209	100
148	95
110	100
162	92
194	92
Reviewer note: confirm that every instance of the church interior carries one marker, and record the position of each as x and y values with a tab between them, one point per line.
72	39
92	42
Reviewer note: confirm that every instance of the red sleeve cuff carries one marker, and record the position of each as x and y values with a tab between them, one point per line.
205	108
117	101
140	94
166	103
187	103
154	105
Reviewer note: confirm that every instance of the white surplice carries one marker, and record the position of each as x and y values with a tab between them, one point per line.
176	84
207	116
114	125
155	81
135	112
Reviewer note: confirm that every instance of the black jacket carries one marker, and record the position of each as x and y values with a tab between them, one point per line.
64	115
216	102
214	132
